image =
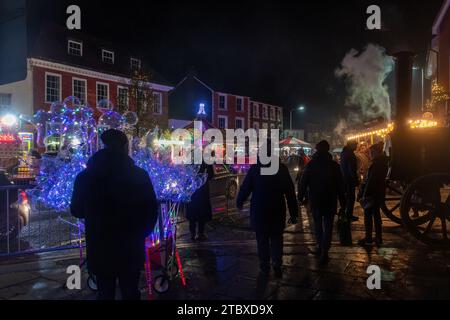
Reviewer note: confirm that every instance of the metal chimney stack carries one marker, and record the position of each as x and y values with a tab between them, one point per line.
404	70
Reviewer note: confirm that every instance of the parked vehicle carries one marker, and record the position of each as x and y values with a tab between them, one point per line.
14	210
225	182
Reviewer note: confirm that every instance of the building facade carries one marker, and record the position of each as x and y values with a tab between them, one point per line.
192	97
265	116
65	63
439	58
441	44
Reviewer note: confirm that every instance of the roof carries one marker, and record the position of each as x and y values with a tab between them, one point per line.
51	44
213	86
292	141
440	16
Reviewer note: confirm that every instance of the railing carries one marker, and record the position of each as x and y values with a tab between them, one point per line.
26	230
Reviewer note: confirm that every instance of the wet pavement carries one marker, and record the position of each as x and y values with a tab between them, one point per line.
226	267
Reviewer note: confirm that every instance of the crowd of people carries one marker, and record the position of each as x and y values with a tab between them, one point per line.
118	203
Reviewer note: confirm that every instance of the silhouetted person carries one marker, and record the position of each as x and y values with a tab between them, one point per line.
303	160
349	168
268	212
199	210
372	194
119	205
322	183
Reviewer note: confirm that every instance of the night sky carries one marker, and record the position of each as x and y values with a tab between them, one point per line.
282	52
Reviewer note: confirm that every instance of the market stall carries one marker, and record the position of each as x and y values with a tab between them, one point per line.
291	146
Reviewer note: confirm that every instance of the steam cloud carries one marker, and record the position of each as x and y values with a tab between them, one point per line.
365	73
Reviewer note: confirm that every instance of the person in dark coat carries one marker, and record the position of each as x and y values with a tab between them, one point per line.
268	212
349	168
199	210
372	194
322	183
119	205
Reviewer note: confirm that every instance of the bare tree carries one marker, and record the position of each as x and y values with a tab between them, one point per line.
141	97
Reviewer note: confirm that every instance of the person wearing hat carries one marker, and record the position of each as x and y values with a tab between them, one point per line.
322	183
119	205
372	194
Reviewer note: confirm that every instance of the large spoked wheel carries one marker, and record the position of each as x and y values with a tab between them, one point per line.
391	205
425	209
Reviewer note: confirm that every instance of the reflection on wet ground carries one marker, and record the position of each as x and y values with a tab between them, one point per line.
226	267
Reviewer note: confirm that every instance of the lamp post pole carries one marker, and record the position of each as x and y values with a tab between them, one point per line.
300	108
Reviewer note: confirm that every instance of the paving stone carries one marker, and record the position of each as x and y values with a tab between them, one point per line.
226	267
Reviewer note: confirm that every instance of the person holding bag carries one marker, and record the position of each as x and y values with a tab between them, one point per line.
372	194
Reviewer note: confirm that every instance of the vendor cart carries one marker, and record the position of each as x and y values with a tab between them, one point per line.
419	177
418	185
163	263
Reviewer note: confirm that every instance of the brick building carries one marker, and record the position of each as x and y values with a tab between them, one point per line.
64	63
439	59
223	110
265	116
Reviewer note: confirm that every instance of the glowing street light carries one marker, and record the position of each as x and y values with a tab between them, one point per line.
300	108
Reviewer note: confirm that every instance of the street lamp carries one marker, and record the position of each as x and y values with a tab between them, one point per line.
300	108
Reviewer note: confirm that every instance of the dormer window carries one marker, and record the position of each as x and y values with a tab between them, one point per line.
75	48
108	56
135	64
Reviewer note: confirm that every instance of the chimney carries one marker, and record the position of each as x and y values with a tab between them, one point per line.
404	66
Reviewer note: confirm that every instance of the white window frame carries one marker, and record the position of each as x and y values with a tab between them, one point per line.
159	94
255	108
272	113
242	104
108	52
59	89
224	118
242	119
7	96
139	62
75	42
265	112
128	95
225	102
96	91
85	88
279	114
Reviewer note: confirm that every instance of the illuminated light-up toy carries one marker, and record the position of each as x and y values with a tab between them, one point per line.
72	133
174	185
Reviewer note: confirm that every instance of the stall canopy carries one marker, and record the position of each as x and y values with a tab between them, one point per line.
294	142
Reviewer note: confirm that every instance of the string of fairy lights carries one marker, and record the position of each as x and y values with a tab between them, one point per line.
383	132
